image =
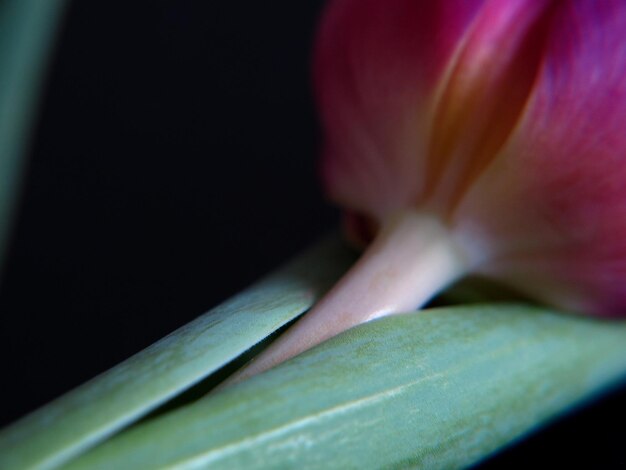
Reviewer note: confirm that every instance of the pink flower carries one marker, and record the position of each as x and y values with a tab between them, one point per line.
473	136
505	118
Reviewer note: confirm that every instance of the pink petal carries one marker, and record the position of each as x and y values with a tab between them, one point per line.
481	100
378	64
553	203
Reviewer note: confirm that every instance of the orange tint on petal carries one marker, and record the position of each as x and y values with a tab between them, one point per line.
487	90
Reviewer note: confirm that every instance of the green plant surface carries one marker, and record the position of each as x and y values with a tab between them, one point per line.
64	428
443	388
27	28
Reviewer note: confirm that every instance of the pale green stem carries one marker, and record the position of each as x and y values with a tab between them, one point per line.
414	258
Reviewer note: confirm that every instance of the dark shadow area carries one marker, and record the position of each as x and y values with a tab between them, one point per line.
173	163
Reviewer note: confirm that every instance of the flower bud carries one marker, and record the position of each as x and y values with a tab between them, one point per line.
505	119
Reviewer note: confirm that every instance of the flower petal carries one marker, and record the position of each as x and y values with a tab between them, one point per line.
553	204
487	87
377	67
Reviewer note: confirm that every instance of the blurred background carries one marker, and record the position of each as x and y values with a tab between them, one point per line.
173	162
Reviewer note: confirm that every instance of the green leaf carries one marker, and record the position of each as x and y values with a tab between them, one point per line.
92	412
26	31
438	389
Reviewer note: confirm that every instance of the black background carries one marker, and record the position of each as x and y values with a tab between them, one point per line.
173	163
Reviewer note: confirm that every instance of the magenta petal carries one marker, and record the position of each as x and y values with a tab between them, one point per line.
377	66
553	203
480	101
